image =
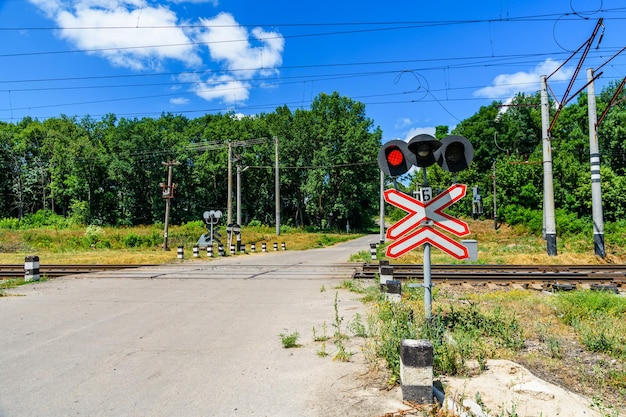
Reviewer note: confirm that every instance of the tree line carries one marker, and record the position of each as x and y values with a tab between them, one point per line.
508	153
108	171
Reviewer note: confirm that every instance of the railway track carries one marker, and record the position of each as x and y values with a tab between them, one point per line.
561	277
554	277
55	271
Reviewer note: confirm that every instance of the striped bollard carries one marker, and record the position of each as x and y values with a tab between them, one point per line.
196	251
394	290
209	251
31	268
373	251
283	246
181	252
232	248
385	272
416	371
252	247
275	245
220	250
242	248
264	247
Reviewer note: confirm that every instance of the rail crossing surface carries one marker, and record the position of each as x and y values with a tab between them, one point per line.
197	338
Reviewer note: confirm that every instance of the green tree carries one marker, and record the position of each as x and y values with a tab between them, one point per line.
342	185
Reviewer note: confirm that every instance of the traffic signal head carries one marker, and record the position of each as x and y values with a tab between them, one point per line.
395	159
423	147
455	153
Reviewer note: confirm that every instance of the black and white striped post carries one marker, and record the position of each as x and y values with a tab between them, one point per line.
31	268
385	272
373	250
416	371
275	245
181	252
242	248
283	246
232	249
252	247
220	250
264	247
209	251
196	251
394	290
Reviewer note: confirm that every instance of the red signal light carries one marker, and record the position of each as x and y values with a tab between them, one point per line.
395	156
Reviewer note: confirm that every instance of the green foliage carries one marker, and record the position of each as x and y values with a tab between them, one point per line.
97	172
457	335
357	327
93	234
597	316
395	323
518	215
290	340
10	223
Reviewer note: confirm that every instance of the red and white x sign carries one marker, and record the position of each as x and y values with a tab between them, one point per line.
420	212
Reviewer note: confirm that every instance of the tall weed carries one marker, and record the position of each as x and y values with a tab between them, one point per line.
597	318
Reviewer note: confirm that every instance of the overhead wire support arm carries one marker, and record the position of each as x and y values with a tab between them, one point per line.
613	100
587	46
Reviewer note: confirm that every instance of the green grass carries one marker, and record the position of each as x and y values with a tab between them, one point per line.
138	245
597	318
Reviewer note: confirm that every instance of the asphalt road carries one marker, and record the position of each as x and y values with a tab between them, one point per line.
199	338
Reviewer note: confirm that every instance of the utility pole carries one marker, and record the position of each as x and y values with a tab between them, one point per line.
240	169
277	186
495	207
382	207
229	203
594	155
549	218
168	194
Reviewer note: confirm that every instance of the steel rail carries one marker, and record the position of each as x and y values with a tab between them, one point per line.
57	270
529	276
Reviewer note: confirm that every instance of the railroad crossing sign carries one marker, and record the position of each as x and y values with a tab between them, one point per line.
233	229
427	214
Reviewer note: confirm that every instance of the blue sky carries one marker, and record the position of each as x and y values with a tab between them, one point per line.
415	64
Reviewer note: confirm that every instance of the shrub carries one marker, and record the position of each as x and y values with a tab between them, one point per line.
93	234
131	240
9	223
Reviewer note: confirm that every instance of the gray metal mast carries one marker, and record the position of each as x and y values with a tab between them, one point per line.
548	185
594	155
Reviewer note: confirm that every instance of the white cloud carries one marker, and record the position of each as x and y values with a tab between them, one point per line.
418	131
508	85
179	101
228	42
149	35
224	88
213	2
138	35
402	123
